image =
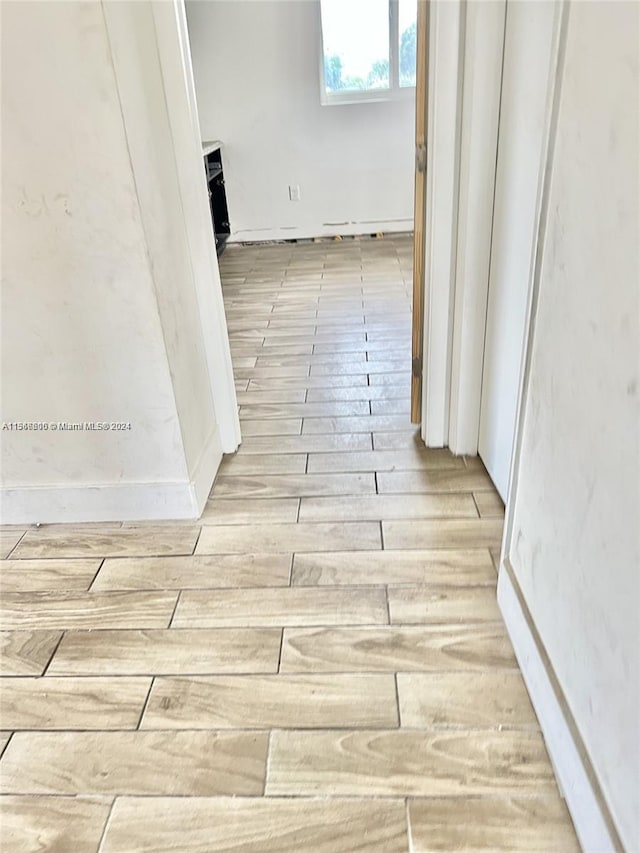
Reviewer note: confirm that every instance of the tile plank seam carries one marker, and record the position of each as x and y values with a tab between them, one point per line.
384	611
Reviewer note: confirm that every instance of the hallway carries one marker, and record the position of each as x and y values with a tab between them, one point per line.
318	665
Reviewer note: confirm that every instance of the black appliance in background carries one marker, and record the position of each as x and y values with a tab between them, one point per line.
217	198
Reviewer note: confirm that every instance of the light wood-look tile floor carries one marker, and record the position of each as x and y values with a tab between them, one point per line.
316	666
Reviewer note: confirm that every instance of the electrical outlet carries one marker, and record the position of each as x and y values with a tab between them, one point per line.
294	192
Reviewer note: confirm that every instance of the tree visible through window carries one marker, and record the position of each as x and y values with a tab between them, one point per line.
407	31
369	48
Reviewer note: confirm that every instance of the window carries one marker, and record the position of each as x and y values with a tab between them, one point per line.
368	49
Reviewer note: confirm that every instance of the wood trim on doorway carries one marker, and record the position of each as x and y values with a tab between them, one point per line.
422	92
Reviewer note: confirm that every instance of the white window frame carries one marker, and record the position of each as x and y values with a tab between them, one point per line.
395	92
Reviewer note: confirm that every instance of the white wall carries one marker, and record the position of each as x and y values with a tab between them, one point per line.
142	97
100	319
256	68
573	543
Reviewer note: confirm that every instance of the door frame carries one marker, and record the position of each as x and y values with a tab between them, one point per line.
462	130
443	112
482	90
419	209
174	55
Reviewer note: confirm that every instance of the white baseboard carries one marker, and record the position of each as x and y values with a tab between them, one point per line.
57	504
96	502
345	229
575	775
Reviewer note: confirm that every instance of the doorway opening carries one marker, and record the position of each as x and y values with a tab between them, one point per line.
316	120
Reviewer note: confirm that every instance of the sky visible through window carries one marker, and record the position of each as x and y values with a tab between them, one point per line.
407	14
356	44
